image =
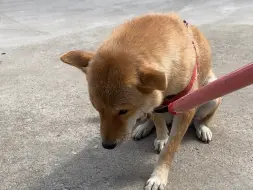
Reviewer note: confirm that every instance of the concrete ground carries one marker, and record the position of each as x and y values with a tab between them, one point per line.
49	131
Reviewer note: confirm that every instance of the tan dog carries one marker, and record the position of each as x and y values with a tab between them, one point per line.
142	62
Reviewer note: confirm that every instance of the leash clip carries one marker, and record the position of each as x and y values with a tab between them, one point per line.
167	108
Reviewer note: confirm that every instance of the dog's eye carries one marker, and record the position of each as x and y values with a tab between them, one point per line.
122	112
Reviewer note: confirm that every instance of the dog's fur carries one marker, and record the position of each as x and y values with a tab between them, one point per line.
143	61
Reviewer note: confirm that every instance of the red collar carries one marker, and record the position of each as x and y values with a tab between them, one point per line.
167	105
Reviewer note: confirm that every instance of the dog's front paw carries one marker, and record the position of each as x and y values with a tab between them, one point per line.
142	131
160	143
204	133
157	182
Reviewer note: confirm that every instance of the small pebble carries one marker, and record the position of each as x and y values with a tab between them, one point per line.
3	53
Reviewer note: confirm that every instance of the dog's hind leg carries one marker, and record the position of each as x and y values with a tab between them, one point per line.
204	115
143	130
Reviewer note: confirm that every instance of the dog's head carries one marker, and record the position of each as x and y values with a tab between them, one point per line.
121	88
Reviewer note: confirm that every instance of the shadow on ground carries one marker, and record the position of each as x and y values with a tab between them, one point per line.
128	165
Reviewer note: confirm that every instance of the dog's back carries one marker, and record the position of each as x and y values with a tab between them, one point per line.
165	40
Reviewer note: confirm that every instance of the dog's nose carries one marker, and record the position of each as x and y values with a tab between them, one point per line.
109	145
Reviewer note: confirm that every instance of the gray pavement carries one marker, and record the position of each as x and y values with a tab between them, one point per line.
49	137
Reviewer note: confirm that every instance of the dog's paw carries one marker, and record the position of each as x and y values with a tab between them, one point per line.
156	182
204	133
142	131
160	143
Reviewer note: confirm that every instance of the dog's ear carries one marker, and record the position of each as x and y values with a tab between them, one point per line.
78	58
151	79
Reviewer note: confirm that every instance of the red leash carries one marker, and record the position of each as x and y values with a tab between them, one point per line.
166	105
231	82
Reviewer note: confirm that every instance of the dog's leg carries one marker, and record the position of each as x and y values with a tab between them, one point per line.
159	177
143	130
162	136
203	116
